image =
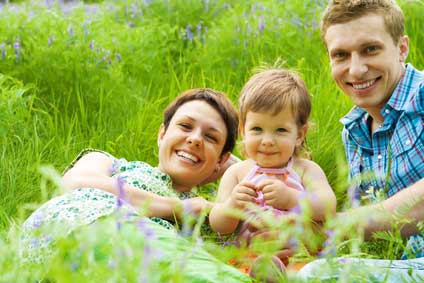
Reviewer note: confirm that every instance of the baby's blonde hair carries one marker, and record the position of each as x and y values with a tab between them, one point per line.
272	91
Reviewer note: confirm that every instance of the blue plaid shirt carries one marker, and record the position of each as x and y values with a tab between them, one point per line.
393	158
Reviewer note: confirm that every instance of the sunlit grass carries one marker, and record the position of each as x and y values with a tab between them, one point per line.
99	75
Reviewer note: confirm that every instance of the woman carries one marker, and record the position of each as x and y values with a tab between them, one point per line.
195	140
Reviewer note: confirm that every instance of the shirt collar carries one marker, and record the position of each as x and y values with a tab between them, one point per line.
399	100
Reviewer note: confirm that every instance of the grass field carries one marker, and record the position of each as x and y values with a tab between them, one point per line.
76	75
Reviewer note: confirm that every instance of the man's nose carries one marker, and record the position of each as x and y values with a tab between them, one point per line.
358	66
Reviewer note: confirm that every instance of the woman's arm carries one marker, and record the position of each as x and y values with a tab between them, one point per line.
94	170
319	195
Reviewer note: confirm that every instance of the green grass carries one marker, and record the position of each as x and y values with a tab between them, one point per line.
100	76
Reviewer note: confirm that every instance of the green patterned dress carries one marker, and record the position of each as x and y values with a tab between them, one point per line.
63	214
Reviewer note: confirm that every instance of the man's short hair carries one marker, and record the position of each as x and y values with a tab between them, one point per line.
343	11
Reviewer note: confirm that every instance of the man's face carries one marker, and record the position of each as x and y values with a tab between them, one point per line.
366	63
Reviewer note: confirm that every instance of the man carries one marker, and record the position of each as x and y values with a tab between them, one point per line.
383	134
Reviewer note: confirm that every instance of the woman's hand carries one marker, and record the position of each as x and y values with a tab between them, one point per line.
196	205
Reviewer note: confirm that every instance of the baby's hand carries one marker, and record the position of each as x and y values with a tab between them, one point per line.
242	194
277	194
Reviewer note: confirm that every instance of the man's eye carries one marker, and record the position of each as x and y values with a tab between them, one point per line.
339	55
371	49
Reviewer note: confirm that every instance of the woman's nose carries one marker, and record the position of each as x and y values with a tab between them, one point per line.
195	138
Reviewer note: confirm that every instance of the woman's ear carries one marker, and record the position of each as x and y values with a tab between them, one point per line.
161	133
224	157
301	134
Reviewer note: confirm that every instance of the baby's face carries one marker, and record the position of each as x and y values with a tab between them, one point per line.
269	139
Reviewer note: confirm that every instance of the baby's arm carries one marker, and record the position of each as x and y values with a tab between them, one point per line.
319	194
231	195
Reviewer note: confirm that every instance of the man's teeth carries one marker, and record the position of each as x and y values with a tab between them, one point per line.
364	85
188	156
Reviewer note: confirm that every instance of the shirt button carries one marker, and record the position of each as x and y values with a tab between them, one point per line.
408	142
379	156
387	111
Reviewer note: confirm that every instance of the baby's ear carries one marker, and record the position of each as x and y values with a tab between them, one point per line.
301	134
161	133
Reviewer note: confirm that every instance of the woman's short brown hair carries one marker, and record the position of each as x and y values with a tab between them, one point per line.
343	11
216	100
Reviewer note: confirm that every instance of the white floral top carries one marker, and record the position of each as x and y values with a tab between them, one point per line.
63	214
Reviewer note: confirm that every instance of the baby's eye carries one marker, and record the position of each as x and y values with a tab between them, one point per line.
281	130
256	129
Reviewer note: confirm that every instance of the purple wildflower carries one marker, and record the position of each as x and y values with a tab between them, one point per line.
70	31
17	47
133	10
353	196
199	30
296	22
84	27
189	33
91	46
111	264
118	57
314	24
296	210
328	244
131	24
49	3
261	23
3	50
50	41
120	182
142	226
74	266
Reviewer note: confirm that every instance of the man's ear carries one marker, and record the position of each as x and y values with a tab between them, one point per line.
403	48
161	133
301	134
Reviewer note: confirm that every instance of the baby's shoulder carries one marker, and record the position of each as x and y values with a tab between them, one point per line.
241	169
304	166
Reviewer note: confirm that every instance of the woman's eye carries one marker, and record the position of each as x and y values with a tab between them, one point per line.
211	138
185	126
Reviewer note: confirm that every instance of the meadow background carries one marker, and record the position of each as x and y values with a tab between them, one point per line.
98	74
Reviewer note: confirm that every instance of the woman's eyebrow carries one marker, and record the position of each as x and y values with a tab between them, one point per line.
210	128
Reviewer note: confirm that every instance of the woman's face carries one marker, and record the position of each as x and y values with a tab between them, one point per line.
190	149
